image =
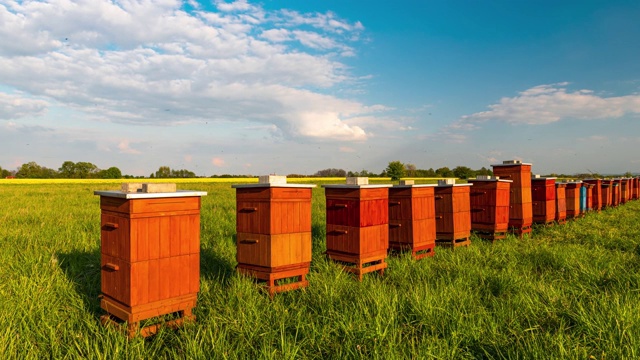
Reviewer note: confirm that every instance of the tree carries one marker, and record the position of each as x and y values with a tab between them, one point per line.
463	172
163	172
111	173
32	170
331	173
67	170
410	170
395	170
4	173
444	172
484	171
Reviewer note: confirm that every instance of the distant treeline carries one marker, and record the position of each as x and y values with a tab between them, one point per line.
395	170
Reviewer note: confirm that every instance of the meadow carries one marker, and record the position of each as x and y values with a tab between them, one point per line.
568	292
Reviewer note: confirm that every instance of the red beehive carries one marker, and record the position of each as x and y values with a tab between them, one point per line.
573	199
273	224
544	199
561	203
412	219
615	193
453	214
150	256
607	193
596	193
490	198
358	225
521	211
636	188
589	195
624	190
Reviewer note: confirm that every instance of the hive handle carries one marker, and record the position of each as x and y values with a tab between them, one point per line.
110	226
249	209
478	193
395	225
477	210
111	267
394	203
340	232
439	217
341	206
439	197
249	241
506	177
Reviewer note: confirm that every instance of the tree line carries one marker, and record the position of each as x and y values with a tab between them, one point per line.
395	170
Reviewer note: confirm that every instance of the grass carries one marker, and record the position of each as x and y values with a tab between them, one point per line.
569	292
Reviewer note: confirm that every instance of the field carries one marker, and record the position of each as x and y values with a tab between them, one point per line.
570	292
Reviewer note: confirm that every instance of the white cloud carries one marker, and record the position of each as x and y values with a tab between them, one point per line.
15	106
218	161
550	103
153	63
125	148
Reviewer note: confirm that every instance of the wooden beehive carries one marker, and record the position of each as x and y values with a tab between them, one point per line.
615	192
273	224
636	188
412	219
544	199
561	203
358	226
150	256
453	214
607	193
490	202
521	211
596	193
583	199
589	188
573	199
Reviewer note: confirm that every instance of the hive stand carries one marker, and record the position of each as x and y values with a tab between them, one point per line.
573	199
273	224
561	203
358	226
596	193
544	199
453	215
490	199
412	219
521	211
150	257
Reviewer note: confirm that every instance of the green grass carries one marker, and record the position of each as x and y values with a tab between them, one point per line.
570	292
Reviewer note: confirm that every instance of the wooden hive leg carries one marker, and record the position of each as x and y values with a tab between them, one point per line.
132	329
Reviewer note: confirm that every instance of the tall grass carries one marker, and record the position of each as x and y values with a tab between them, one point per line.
568	292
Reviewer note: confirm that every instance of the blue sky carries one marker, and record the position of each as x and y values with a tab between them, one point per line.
297	86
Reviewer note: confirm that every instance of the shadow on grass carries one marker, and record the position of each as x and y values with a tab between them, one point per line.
82	268
214	265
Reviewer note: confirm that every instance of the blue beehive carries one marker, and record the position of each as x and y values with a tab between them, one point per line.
583	199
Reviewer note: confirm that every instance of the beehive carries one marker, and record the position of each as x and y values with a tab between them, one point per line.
607	193
561	203
453	214
490	201
624	190
273	224
573	199
615	192
589	188
596	193
358	226
544	199
521	211
412	219
150	256
583	199
636	188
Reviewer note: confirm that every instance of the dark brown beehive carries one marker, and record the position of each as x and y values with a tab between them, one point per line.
453	214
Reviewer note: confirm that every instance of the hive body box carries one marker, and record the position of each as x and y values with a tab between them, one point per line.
624	190
615	192
273	224
589	188
607	193
596	193
544	200
573	199
412	219
358	226
521	211
561	203
453	215
150	256
636	188
490	199
583	199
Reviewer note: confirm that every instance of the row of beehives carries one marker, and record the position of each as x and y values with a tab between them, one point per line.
364	222
150	233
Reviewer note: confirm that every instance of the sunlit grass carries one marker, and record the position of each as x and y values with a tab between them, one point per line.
570	292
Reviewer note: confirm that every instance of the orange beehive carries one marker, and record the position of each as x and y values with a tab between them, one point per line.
596	193
607	193
412	219
573	199
489	198
150	256
273	224
624	190
589	195
615	193
453	214
521	211
636	188
358	225
561	203
544	199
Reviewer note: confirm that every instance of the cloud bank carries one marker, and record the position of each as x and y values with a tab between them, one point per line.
165	62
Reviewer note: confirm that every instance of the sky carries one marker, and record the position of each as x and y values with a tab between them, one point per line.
290	86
